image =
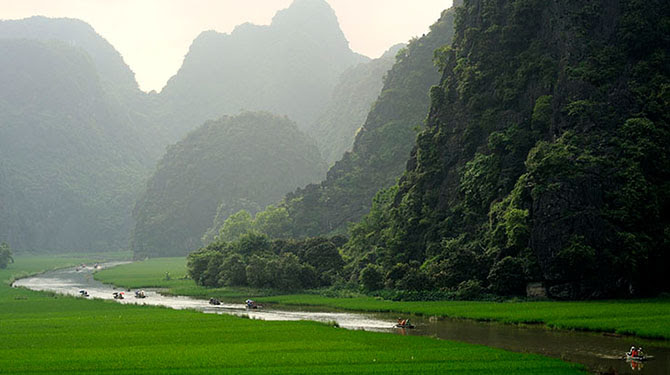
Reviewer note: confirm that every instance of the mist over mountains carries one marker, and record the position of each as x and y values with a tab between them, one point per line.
80	139
71	165
288	68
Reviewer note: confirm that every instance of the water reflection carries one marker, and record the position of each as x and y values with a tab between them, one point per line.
598	352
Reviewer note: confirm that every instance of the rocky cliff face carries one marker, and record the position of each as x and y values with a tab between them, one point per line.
381	146
289	68
544	150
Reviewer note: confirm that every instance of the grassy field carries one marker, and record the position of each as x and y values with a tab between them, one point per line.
45	333
645	318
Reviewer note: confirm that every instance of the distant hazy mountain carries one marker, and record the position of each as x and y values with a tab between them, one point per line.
70	161
242	162
108	62
382	146
289	68
357	89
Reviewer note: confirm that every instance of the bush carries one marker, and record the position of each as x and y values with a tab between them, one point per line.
507	278
5	255
469	290
371	277
414	279
233	271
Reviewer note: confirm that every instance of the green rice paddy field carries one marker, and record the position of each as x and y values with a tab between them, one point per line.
648	318
45	333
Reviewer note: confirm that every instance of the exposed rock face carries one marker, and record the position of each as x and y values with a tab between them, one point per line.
545	148
382	144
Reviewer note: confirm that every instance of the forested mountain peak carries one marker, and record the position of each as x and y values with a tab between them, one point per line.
288	67
109	63
382	144
352	97
70	164
237	162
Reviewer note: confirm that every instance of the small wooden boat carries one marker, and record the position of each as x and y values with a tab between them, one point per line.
637	358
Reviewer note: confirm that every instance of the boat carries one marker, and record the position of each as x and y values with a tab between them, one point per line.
140	294
404	326
214	301
252	304
636	358
84	293
118	295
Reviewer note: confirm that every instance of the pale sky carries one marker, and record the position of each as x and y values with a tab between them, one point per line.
154	35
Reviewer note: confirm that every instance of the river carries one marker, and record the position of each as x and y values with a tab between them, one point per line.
599	352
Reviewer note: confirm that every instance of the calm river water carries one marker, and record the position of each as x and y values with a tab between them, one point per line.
598	352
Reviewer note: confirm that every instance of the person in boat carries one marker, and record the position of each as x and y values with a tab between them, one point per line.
403	323
640	353
251	304
633	352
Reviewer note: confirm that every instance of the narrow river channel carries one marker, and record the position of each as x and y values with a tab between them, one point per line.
599	352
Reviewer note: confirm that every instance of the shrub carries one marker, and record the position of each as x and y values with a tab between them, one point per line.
371	277
507	278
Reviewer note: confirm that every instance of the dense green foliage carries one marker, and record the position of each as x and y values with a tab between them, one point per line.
354	94
5	255
254	260
289	67
544	158
242	162
643	317
52	334
382	145
72	158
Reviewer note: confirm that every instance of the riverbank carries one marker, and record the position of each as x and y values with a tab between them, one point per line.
648	318
47	333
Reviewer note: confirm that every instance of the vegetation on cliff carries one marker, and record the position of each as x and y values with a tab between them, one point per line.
354	94
381	147
71	159
545	157
242	162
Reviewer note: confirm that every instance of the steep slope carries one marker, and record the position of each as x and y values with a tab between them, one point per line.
70	164
109	63
354	94
381	147
242	162
545	157
118	83
289	67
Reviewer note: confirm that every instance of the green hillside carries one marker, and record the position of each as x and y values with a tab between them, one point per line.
242	162
382	145
349	105
70	166
544	158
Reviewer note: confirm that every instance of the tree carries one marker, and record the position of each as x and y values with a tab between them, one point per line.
235	226
507	278
5	255
371	277
274	222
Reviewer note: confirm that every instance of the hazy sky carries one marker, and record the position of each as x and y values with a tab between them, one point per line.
154	35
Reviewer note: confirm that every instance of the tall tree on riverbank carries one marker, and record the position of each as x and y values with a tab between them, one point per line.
5	255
